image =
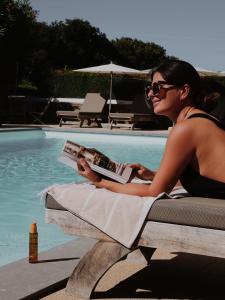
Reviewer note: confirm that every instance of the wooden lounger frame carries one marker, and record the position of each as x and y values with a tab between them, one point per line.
106	252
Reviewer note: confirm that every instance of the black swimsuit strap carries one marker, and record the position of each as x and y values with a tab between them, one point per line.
209	117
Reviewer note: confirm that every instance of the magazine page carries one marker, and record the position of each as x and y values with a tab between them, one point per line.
97	161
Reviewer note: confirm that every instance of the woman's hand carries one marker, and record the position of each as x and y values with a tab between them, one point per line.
142	172
85	171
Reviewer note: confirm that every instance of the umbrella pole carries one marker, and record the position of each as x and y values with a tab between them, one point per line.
110	96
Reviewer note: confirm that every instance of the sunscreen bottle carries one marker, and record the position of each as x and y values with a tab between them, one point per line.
33	243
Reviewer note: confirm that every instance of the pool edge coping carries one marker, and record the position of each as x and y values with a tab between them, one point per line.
153	133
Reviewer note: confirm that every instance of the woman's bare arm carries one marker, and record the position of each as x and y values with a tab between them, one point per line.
179	151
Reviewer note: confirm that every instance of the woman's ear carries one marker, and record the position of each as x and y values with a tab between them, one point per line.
184	91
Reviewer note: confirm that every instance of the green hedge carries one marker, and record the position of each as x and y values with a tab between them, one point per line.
220	79
76	85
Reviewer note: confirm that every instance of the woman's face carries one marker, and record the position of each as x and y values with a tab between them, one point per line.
165	97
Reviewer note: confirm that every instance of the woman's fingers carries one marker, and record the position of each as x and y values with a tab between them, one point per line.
82	165
142	172
85	170
138	168
135	166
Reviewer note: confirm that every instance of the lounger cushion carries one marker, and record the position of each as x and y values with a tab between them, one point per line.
94	103
67	113
192	211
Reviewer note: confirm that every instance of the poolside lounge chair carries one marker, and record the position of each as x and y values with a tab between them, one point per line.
67	115
190	224
91	110
132	115
131	119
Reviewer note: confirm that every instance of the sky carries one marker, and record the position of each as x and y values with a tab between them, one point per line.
192	30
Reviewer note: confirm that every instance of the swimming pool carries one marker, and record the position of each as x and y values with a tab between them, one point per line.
28	164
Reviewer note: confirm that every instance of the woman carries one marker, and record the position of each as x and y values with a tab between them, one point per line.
194	152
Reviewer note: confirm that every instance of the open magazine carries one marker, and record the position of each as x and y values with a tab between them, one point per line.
98	162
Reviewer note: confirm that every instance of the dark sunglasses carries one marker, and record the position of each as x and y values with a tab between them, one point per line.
157	86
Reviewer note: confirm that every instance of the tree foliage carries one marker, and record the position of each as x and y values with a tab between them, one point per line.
17	21
75	43
33	51
138	54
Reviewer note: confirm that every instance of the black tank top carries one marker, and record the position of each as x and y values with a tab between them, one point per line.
195	183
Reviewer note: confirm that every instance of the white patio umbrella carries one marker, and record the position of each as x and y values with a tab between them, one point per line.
146	72
222	73
111	69
205	72
201	71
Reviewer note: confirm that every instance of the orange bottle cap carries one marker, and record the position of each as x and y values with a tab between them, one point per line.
33	228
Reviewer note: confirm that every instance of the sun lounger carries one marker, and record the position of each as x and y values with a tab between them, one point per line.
190	224
92	110
70	115
130	119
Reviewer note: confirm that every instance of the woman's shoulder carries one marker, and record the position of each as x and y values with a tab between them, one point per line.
181	133
196	128
182	127
187	130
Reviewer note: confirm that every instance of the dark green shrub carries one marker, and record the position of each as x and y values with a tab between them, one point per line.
76	85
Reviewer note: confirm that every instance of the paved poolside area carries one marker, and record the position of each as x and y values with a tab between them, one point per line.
75	127
169	276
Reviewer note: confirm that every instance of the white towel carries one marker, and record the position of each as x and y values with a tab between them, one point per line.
120	216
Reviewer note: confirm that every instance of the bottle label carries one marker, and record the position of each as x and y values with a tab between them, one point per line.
33	247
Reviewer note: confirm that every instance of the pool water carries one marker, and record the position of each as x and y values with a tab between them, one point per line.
28	164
